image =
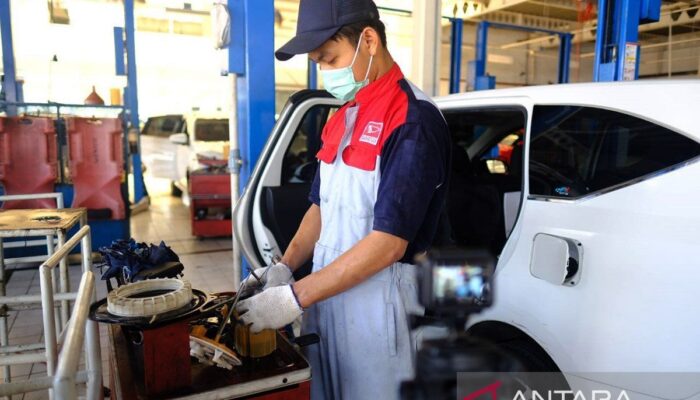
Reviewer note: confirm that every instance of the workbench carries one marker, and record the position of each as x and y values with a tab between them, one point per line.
284	376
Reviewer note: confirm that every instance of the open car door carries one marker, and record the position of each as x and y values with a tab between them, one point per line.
276	197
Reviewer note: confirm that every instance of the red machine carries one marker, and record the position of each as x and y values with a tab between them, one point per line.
210	208
97	166
28	159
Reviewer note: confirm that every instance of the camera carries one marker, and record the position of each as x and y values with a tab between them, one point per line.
452	285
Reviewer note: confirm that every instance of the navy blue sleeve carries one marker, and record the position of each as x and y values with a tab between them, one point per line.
413	166
314	194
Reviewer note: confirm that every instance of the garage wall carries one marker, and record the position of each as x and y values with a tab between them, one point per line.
685	57
534	64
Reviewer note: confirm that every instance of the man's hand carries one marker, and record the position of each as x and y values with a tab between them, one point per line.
274	275
274	308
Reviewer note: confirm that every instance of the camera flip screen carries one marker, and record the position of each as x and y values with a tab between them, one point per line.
458	284
455	281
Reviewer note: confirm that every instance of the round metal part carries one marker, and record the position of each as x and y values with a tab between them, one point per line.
149	297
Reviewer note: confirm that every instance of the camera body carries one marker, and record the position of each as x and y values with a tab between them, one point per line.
453	284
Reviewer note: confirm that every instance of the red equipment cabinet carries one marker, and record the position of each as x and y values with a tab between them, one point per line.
28	159
210	205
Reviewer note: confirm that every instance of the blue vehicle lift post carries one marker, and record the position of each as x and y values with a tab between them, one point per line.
617	47
480	80
131	95
313	75
251	59
456	54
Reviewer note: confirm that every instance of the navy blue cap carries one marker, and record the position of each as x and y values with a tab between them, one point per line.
319	20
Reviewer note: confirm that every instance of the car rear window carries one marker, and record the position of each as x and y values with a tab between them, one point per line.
163	126
211	130
576	151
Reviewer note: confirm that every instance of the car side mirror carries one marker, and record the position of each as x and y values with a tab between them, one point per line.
179	138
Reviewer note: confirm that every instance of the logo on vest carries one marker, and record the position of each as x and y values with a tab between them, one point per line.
372	132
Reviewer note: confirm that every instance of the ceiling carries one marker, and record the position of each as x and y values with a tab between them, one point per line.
575	16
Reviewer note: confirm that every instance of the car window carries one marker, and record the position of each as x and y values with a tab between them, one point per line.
211	130
485	140
299	165
163	126
487	166
580	150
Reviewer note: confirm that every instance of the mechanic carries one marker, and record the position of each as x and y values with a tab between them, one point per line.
377	197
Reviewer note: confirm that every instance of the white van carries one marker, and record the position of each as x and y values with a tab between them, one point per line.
171	145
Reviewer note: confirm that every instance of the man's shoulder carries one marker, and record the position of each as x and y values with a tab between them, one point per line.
423	121
421	108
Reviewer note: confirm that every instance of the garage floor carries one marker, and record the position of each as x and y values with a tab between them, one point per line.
207	266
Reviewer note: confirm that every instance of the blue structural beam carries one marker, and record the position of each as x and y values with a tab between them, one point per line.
8	58
456	54
482	39
132	98
119	64
251	57
523	28
617	48
480	80
564	57
312	77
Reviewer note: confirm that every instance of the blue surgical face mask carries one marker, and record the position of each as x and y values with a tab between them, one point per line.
340	83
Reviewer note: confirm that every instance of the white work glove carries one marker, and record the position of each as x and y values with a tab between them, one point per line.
274	275
274	308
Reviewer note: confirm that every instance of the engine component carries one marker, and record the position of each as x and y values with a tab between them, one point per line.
149	297
254	345
209	352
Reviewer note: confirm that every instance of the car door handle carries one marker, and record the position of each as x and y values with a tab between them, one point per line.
557	260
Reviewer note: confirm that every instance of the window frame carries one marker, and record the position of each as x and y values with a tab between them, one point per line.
597	149
222	120
526	110
150	120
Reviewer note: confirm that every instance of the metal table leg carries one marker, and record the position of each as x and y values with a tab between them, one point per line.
64	283
4	334
93	356
54	281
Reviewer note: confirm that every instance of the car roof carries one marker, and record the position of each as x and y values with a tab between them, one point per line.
543	92
672	103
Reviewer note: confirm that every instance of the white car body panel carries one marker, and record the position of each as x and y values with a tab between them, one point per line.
160	156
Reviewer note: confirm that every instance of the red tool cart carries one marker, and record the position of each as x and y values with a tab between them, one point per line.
210	205
284	375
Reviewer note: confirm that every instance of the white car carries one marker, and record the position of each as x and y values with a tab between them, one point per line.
588	194
171	145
